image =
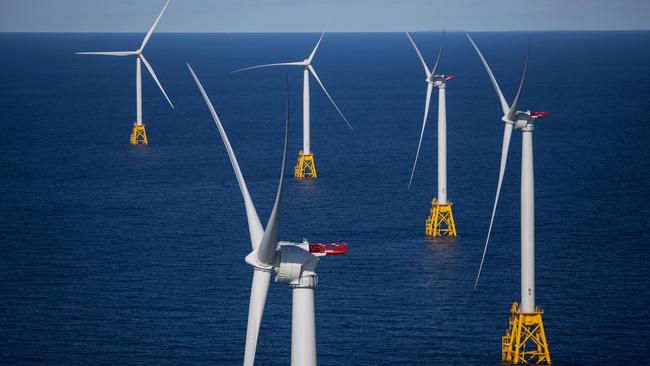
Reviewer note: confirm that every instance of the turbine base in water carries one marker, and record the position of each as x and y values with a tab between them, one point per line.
440	223
305	167
138	135
525	339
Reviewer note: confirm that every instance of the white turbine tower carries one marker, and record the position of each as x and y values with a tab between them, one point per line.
440	222
138	134
525	340
293	263
305	166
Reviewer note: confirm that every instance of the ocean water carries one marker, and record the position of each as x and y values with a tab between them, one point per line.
113	254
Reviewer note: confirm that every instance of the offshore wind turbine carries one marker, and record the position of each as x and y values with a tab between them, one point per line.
525	339
440	222
138	133
305	168
293	263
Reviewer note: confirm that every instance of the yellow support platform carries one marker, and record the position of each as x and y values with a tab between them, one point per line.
440	223
305	167
525	340
138	135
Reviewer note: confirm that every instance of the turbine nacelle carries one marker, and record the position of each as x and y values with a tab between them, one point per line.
294	260
439	80
296	265
526	118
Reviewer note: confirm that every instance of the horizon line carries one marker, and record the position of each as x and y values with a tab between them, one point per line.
342	32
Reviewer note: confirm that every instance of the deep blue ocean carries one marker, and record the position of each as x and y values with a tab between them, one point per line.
112	254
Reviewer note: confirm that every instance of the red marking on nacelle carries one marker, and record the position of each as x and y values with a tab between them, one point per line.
539	114
328	248
449	77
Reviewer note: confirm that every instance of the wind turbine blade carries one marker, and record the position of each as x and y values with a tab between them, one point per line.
442	45
515	104
259	289
254	226
313	72
424	123
507	133
297	63
146	38
504	104
424	64
269	243
313	52
153	74
119	53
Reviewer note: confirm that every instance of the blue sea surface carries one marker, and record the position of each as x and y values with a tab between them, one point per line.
112	254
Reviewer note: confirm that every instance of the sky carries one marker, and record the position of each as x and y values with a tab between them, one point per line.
311	15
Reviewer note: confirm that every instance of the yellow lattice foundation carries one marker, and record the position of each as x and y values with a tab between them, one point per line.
440	223
525	340
305	167
138	135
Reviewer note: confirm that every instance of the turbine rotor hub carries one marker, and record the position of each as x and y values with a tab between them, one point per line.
251	259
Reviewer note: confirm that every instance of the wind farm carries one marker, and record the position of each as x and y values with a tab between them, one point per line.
204	239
